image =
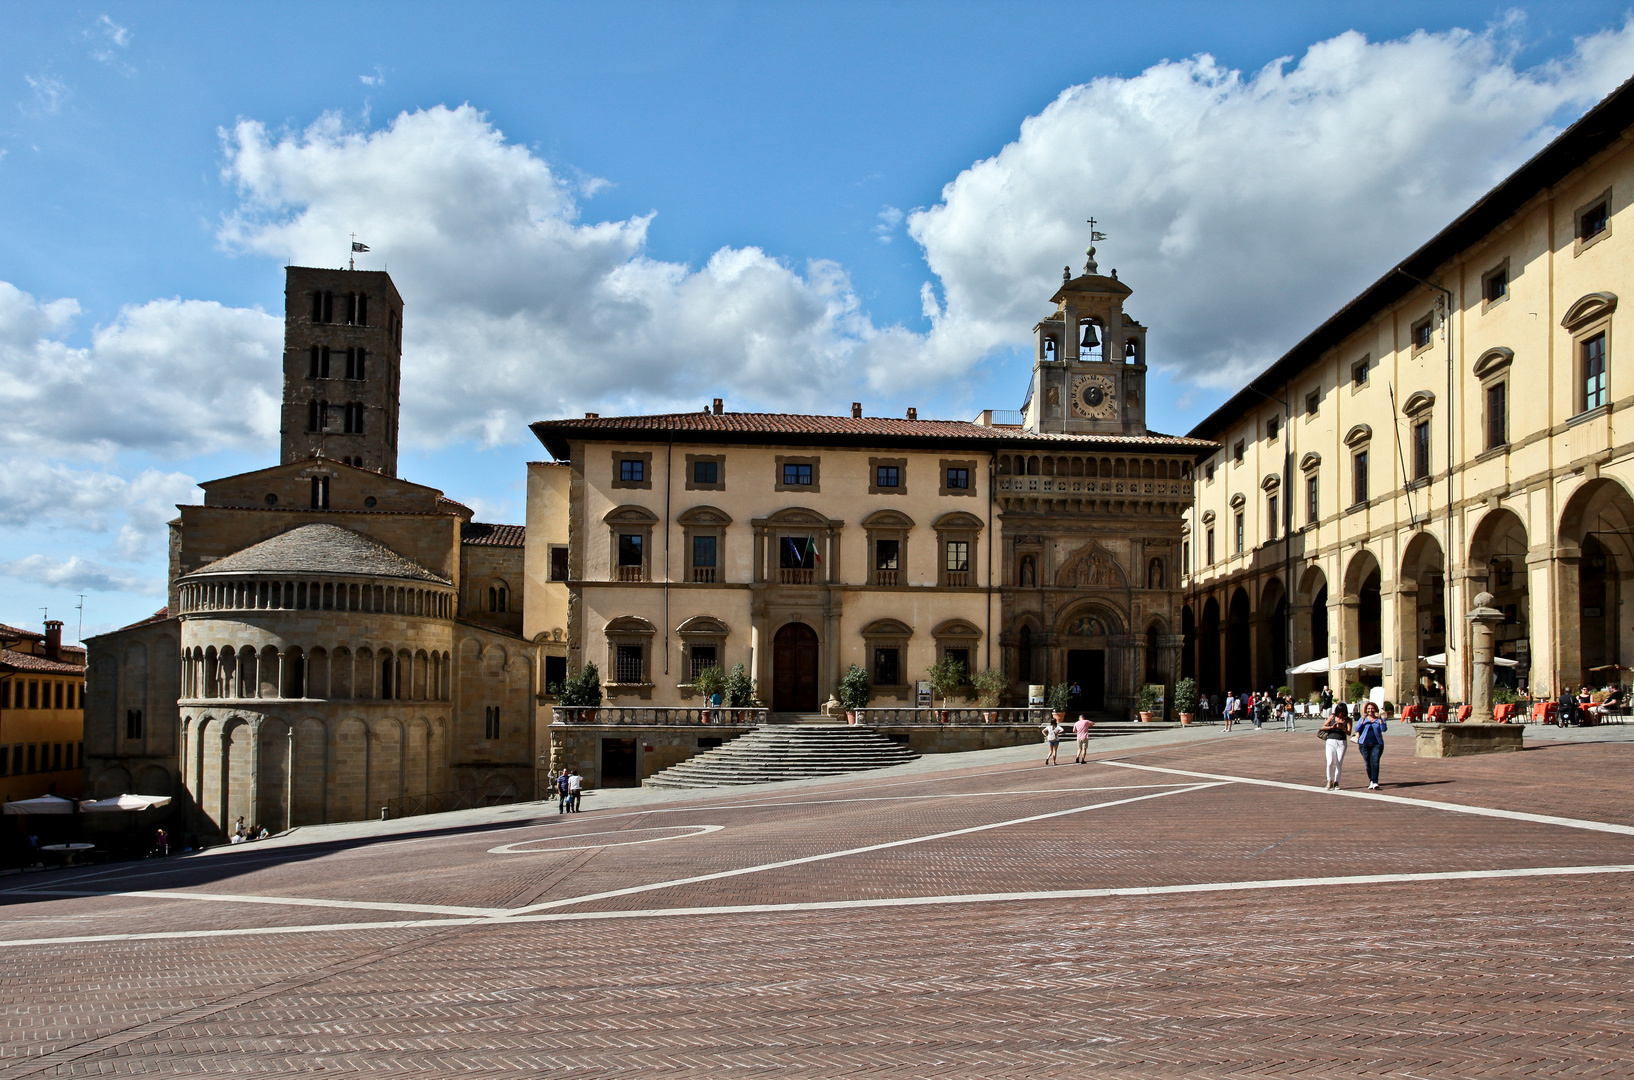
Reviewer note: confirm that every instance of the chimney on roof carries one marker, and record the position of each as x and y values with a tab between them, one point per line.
719	405
592	416
856	410
913	414
53	639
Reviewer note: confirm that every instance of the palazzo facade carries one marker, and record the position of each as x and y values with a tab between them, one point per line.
1044	544
1463	426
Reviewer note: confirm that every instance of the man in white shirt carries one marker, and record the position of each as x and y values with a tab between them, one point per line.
575	790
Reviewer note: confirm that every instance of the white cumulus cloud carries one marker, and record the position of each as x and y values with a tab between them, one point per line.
75	574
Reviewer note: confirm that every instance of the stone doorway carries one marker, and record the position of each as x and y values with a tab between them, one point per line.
794	669
1086	669
618	763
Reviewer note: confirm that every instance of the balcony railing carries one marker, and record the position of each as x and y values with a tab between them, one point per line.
1076	485
887	578
959	714
703	575
657	716
957	579
796	576
631	573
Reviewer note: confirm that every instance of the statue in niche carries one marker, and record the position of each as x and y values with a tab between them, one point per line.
1027	572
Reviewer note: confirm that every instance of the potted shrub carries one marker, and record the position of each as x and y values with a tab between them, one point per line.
945	676
855	690
582	692
1185	699
1355	692
990	685
740	690
1059	697
711	683
1149	701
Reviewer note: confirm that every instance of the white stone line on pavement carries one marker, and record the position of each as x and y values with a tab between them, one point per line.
718	875
287	901
1398	800
841	905
513	849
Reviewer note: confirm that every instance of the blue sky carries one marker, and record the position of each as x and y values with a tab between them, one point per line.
648	205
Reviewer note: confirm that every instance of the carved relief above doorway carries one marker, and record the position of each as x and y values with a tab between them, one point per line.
1092	567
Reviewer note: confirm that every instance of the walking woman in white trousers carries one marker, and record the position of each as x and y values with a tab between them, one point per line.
1334	733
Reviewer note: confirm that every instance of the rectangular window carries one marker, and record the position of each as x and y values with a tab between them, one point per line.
320	493
958	479
5	760
631	549
797	475
1592	222
57	694
887	476
1497	420
1358	374
1237	452
1422	333
555	673
888	556
887	671
1313	503
632	470
1271	518
706	472
962	658
958	562
1495	284
703	551
797	553
1239	532
1272	426
1210	542
628	664
1421	450
1185	554
1359	477
34	694
1313	402
558	564
491	724
5	694
703	658
1208	472
1594	371
33	757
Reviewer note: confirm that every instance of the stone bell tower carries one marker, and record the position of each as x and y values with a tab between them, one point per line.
1089	360
343	353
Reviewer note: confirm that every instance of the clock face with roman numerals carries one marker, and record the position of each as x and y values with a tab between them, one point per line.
1092	397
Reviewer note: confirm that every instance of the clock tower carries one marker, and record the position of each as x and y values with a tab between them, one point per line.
1089	361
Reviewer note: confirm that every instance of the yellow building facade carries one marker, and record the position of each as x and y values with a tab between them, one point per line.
1461	427
42	713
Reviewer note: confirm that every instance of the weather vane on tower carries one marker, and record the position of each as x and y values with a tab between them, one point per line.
1095	237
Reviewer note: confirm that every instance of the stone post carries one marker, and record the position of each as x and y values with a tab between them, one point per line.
1483	620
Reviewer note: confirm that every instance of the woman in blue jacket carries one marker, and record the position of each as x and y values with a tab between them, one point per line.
1370	741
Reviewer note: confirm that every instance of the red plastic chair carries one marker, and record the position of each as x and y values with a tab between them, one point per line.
1463	713
1438	714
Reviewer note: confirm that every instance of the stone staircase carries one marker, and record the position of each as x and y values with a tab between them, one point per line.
785	752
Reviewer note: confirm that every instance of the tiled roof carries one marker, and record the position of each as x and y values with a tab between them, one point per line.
843	430
487	535
22	661
158	616
14	632
319	549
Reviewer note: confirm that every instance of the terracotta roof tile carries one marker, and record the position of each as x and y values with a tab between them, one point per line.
158	616
318	549
22	661
18	632
782	426
484	534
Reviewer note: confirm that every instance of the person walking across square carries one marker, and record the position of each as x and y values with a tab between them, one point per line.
1333	734
1080	731
563	802
575	790
1370	741
1052	740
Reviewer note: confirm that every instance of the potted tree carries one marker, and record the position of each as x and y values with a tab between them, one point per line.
990	685
855	690
711	683
740	690
945	676
1060	696
1185	699
1149	702
582	692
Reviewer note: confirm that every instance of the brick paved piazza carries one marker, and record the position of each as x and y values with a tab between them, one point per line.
1196	906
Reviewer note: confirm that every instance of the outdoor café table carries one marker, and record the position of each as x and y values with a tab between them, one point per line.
69	851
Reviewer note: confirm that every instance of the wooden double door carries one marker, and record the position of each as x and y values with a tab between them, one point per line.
794	669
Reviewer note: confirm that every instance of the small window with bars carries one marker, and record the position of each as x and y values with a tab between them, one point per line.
627	663
491	722
702	658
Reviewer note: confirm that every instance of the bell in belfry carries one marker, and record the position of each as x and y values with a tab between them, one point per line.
1090	340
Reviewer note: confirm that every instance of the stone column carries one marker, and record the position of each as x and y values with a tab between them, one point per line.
1400	685
1483	621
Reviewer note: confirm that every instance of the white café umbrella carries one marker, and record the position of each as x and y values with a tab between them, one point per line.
1375	660
45	804
1440	660
123	802
1318	666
